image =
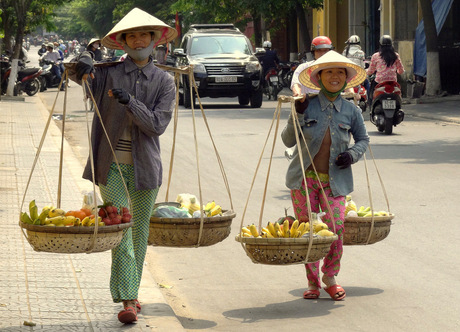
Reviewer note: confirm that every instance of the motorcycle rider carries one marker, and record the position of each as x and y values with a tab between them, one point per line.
42	50
386	63
53	55
319	46
269	59
354	52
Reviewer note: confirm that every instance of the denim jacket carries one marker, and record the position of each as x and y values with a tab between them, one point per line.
344	120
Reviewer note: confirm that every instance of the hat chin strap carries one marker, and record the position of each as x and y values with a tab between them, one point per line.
331	94
139	55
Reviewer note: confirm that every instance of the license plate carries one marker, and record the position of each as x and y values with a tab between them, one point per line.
389	104
273	78
226	79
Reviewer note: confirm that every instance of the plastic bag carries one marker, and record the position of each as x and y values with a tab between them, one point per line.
166	211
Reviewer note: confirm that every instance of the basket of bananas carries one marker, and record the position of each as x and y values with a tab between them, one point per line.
69	232
363	226
286	242
185	224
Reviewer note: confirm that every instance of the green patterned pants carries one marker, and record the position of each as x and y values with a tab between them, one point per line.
128	257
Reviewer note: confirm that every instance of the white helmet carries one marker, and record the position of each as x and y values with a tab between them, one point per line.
354	39
267	44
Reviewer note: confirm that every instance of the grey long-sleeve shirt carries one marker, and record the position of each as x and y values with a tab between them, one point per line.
151	105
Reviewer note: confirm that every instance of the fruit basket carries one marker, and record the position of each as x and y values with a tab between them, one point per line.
286	251
366	230
73	240
185	232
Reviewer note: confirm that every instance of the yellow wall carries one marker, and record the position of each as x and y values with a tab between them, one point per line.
332	21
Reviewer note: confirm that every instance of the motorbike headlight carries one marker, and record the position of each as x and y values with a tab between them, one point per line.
252	66
198	68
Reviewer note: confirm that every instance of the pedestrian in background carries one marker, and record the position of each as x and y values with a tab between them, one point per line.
136	101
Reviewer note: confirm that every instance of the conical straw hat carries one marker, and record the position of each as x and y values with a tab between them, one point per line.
355	74
138	20
93	40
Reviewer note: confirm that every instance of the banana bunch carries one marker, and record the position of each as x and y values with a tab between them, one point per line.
350	205
275	230
88	221
211	209
366	212
33	217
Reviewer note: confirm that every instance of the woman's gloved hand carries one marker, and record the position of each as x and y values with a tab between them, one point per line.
122	96
301	106
344	160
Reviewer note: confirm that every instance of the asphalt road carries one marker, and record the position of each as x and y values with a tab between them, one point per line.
408	281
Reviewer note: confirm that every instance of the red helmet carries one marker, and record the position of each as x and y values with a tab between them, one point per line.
321	42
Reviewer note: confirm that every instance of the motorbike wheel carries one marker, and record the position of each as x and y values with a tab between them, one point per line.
42	83
32	87
388	126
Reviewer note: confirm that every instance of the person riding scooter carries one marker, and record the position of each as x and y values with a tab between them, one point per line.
54	57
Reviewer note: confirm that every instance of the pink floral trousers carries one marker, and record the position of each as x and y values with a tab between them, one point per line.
331	263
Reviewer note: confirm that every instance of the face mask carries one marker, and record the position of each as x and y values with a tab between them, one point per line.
141	54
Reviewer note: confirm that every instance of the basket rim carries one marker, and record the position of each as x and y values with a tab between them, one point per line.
285	241
226	216
76	229
369	219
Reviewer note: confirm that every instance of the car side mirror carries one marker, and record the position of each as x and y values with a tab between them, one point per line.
179	52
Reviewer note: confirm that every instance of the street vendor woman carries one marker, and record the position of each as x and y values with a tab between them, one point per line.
136	101
328	122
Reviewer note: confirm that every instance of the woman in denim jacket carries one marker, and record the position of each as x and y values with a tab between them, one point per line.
328	122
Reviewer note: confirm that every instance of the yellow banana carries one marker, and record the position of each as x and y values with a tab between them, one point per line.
69	220
254	230
320	226
59	220
216	210
43	215
194	206
246	235
278	230
301	229
209	206
271	228
294	227
85	221
56	212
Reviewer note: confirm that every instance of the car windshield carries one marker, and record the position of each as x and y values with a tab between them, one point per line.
219	45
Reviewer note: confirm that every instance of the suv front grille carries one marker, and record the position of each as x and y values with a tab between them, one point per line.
225	69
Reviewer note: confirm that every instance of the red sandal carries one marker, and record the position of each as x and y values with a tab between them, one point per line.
311	294
138	306
129	313
334	291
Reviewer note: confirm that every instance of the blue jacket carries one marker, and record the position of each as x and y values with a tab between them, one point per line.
345	121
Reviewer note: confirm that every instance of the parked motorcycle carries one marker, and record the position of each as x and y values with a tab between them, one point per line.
27	80
386	106
271	86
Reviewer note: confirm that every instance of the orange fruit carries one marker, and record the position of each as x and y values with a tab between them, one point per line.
86	211
70	213
80	214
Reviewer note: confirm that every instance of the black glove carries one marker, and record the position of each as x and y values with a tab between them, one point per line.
122	96
344	160
84	65
300	107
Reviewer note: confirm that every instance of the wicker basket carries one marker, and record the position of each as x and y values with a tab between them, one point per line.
286	251
357	230
73	240
184	232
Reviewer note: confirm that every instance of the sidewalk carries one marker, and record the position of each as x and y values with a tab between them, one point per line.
57	292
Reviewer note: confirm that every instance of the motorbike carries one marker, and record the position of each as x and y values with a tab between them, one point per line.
27	80
362	101
271	86
48	79
386	106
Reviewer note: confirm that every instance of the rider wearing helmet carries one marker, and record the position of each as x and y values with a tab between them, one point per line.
269	59
319	46
385	63
354	52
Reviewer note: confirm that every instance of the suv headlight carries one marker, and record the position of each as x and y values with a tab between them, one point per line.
198	68
252	66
